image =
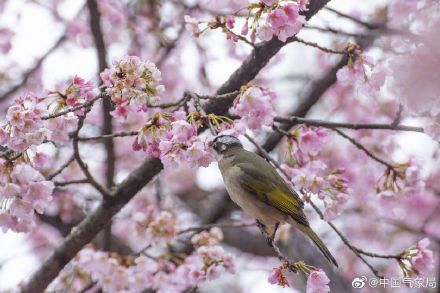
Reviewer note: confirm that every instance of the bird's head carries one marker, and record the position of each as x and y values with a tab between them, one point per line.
223	143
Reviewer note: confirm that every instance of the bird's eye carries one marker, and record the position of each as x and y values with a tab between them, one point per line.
223	147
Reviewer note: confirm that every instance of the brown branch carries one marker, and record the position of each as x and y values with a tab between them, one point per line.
65	183
100	217
202	112
319	47
91	225
252	65
95	26
346	242
61	169
365	150
354	19
73	109
219	225
338	32
81	163
33	69
318	88
113	135
107	129
356	126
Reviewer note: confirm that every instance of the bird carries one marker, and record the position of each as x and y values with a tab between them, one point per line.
257	188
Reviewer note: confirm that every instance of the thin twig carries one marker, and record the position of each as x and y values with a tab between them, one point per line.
219	97
352	18
80	162
118	134
64	166
33	69
317	46
73	109
219	225
355	126
65	183
346	242
200	109
338	32
365	150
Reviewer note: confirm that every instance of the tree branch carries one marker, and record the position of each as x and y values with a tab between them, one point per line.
33	69
356	126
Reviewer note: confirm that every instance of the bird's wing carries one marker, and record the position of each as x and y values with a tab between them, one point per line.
274	192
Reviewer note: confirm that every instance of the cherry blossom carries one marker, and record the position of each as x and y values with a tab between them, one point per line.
317	282
24	127
277	277
24	191
254	106
132	81
418	259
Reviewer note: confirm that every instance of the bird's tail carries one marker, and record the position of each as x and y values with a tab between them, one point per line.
315	238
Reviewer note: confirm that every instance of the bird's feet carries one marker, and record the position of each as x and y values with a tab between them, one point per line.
269	239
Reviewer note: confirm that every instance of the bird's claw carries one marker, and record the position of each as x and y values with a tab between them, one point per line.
269	241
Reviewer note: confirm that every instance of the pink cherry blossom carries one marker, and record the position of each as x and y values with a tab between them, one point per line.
254	106
269	2
163	227
230	21
212	237
22	192
317	282
277	19
132	81
265	32
61	127
79	91
277	277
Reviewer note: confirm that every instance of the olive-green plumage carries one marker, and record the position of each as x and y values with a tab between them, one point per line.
255	185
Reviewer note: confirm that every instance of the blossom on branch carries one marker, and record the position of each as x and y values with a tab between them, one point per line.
132	81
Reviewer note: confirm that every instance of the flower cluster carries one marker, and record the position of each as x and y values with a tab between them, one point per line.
330	186
79	92
283	19
23	191
365	76
173	139
402	179
214	260
317	281
115	273
212	237
24	127
313	175
417	260
132	81
163	227
255	107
